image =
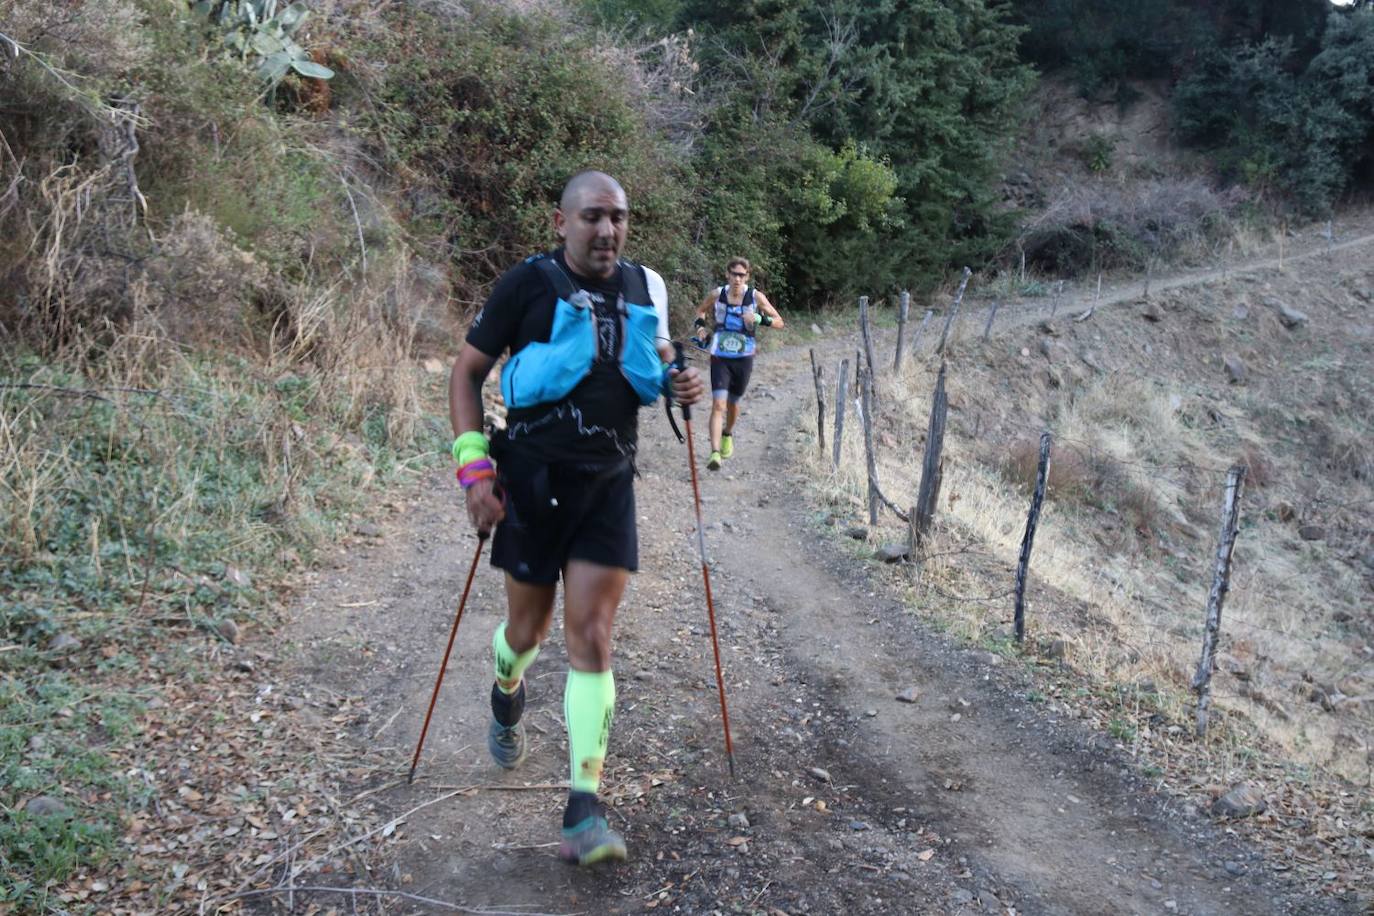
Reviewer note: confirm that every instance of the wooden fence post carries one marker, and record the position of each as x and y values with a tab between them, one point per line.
1221	583
1023	564
992	315
932	468
870	459
1054	303
868	349
904	309
840	395
867	333
818	376
953	312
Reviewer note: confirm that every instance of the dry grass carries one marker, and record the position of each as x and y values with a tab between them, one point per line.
1122	561
187	391
1105	223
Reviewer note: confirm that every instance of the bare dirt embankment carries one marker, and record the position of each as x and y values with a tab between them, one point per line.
971	798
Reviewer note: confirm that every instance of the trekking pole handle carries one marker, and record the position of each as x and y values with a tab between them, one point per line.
680	363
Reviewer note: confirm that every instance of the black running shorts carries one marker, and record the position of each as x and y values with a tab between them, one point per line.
561	512
729	377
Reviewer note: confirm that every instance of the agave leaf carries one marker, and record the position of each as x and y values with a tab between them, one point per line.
273	68
267	45
312	69
293	16
203	8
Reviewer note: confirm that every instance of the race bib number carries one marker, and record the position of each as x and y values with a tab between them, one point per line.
731	342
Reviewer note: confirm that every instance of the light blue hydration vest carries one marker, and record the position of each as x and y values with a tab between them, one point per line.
734	334
547	372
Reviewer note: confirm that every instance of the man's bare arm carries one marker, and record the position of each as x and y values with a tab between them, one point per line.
470	370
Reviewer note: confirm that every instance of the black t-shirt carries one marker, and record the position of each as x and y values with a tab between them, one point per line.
597	423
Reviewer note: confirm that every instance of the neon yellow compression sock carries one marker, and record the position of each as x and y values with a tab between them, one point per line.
510	665
588	705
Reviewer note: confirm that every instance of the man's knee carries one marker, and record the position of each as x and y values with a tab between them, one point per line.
589	638
525	632
718	405
529	613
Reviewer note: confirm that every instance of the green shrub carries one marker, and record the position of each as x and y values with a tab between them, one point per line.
1104	43
257	31
1303	132
487	122
928	91
1097	153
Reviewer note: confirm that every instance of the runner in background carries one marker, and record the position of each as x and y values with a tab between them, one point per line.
732	313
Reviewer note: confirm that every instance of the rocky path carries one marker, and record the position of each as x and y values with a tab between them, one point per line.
847	799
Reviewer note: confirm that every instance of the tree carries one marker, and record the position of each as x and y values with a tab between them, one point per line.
1305	131
925	89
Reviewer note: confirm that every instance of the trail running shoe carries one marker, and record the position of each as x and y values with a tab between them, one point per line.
713	463
591	841
507	742
727	445
507	745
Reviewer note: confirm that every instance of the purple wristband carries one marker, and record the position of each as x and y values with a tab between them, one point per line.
473	471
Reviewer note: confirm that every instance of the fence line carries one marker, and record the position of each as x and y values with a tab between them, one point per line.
1164	637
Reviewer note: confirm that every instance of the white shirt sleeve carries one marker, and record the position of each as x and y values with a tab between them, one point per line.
658	292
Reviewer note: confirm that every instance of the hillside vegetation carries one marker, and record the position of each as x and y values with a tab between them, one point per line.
230	229
1124	553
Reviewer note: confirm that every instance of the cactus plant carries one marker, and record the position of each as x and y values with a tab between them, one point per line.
261	35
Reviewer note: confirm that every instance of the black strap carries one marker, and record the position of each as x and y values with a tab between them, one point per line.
558	278
679	363
634	283
745	301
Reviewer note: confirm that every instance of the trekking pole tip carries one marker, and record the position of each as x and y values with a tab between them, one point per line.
410	780
731	759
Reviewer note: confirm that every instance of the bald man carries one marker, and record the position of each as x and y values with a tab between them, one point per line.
587	334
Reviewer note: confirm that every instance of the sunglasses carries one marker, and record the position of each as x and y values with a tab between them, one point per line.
737	274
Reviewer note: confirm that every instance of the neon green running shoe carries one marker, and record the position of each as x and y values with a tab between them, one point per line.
592	841
713	463
727	445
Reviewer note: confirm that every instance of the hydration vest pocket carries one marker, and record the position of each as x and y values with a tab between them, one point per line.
543	373
639	361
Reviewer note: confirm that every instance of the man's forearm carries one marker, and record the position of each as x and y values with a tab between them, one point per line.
464	403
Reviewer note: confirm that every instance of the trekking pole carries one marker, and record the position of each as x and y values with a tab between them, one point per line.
679	364
443	666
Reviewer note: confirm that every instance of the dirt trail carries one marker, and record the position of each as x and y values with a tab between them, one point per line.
971	799
1076	301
